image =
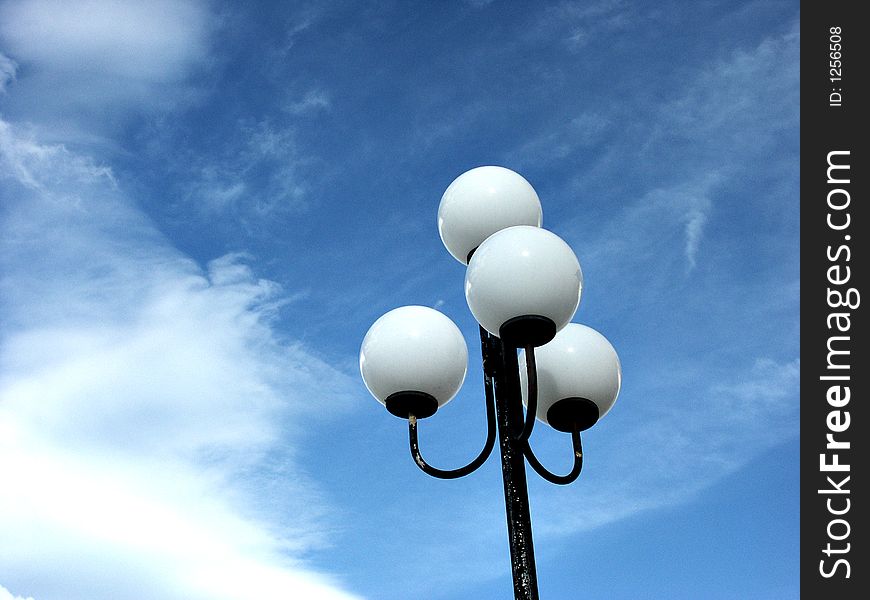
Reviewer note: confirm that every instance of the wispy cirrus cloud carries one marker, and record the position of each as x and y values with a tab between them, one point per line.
144	402
578	24
259	175
737	106
8	68
312	101
579	133
662	220
683	432
685	439
702	142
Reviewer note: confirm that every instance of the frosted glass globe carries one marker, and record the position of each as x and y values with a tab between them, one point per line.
413	360
482	201
519	275
579	376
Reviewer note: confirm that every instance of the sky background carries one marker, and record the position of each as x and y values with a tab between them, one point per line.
205	205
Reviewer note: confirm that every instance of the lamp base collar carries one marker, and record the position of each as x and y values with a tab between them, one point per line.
405	404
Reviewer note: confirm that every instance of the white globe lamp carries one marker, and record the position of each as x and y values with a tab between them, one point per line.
413	361
482	201
523	284
578	377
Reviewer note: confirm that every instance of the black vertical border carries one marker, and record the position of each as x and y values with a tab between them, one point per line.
826	128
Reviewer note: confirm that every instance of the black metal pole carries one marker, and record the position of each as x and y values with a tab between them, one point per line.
503	362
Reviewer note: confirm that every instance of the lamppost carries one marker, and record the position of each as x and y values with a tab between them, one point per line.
523	286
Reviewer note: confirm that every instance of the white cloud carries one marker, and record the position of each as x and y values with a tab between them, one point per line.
150	41
84	65
139	399
7	595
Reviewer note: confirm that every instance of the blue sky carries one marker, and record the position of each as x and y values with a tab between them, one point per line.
205	205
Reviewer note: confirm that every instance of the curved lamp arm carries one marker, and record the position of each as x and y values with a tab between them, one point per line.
473	465
558	479
532	408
